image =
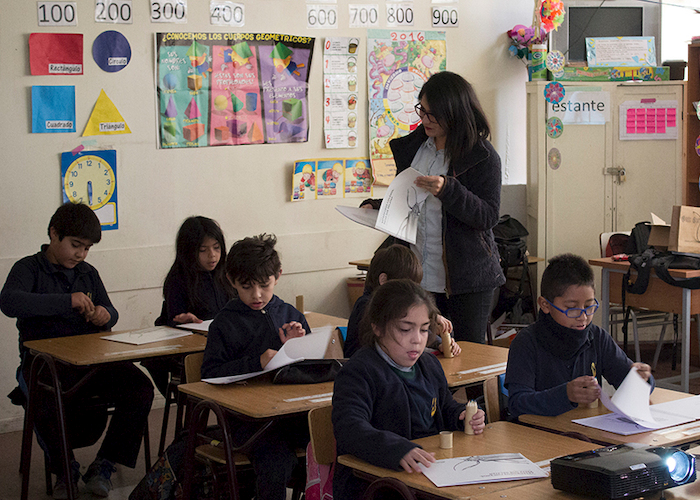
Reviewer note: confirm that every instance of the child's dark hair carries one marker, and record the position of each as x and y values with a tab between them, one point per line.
391	302
397	262
457	110
77	220
563	271
190	238
253	259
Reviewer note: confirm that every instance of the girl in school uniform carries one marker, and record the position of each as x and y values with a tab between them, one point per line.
196	287
391	392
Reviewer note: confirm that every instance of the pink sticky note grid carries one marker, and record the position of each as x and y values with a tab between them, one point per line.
650	120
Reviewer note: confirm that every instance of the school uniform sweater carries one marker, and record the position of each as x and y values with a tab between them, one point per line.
352	339
176	300
239	335
373	413
546	356
38	294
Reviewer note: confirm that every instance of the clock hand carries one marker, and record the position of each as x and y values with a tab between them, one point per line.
89	192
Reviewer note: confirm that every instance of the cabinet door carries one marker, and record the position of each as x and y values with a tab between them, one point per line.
653	176
578	200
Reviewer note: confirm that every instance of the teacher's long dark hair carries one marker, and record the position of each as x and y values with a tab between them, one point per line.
454	104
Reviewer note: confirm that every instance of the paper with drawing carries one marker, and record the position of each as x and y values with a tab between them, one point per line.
401	206
310	346
481	469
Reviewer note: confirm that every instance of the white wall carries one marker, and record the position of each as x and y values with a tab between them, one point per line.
245	188
679	23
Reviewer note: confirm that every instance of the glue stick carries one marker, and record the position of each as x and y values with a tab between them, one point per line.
446	344
471	409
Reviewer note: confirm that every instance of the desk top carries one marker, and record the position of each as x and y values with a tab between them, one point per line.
660	437
259	398
480	361
316	320
623	266
499	437
92	349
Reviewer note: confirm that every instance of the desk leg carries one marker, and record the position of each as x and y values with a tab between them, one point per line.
685	363
605	298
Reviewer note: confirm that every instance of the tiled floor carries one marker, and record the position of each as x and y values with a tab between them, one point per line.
125	480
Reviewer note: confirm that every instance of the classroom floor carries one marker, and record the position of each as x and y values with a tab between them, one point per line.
124	480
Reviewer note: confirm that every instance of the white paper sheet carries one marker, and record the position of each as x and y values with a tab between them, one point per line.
147	335
632	413
398	214
196	327
310	346
481	469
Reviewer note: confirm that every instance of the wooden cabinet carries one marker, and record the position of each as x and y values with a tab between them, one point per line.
570	204
691	191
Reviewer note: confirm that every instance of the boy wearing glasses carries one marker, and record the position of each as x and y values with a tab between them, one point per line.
557	363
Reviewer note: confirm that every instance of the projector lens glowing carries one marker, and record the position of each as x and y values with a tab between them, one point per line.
679	466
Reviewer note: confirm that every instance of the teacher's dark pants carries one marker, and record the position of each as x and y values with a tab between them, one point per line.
469	313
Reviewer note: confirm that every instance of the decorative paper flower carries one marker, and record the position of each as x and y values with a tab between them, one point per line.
554	92
551	14
522	37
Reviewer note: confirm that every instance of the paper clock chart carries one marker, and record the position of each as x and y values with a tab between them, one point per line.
90	177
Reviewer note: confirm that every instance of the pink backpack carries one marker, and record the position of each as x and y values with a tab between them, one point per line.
319	478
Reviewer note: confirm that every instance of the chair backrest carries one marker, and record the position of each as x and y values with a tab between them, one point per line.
491	399
388	488
322	437
613	243
193	367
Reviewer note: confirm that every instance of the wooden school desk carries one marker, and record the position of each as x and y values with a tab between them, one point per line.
499	437
476	363
671	436
660	296
316	320
258	399
89	350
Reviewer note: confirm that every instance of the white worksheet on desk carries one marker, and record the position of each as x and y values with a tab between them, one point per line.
310	346
148	335
481	469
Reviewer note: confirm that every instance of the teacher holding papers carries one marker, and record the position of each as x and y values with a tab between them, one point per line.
462	172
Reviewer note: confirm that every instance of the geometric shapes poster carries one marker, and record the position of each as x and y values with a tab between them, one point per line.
217	89
398	64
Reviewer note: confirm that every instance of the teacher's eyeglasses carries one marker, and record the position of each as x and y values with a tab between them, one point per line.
423	113
576	312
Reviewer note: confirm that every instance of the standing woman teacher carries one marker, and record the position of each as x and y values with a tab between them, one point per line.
462	172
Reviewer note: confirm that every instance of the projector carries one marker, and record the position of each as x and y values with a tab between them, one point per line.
623	471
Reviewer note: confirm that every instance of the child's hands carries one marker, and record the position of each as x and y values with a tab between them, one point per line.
82	303
456	350
443	324
266	357
100	317
186	318
477	421
643	369
584	389
291	330
416	456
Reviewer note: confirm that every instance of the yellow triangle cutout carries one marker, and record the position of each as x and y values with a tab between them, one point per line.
105	118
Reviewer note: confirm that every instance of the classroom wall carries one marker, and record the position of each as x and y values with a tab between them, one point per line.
246	188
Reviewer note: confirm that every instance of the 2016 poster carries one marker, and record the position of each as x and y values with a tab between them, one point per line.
217	89
398	63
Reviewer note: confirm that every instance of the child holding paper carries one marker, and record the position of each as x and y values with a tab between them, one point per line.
557	363
390	392
243	338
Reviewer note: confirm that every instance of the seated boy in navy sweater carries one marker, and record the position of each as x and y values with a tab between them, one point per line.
243	338
557	363
54	293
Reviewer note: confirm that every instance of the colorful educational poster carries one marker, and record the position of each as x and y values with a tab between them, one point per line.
105	118
398	63
324	178
621	51
340	92
217	89
90	177
53	109
56	54
648	119
111	51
